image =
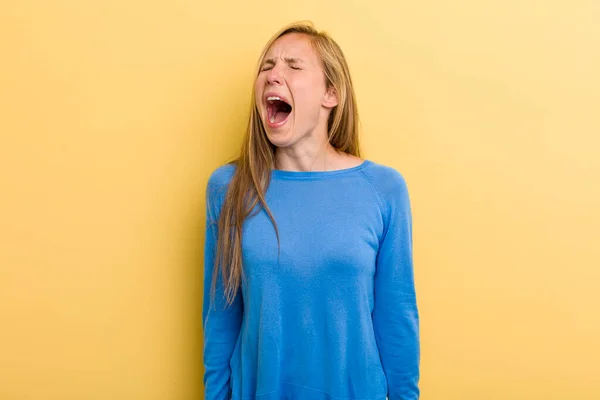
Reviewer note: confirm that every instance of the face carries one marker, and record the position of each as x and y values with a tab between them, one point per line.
291	93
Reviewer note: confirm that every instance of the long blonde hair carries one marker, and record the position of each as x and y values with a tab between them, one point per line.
256	159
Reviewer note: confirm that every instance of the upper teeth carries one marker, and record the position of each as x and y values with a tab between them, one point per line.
273	98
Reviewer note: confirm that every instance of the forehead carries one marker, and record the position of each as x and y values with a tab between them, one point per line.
294	45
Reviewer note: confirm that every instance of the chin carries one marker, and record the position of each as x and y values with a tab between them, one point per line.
279	140
280	137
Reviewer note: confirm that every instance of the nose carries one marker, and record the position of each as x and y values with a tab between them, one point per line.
274	76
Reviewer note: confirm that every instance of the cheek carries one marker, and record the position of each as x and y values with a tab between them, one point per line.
308	97
258	86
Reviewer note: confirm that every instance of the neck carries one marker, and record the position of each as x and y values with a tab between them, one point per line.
304	157
313	153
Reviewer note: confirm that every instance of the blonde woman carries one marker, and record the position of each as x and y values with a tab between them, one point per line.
309	288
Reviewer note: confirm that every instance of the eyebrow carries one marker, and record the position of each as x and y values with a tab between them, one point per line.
289	60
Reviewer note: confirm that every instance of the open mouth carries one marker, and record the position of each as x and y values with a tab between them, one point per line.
277	110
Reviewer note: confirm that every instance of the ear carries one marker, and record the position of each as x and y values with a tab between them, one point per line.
331	98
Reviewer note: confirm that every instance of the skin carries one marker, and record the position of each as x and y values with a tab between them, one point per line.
292	69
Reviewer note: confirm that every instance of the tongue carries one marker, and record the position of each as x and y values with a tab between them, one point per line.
278	111
279	116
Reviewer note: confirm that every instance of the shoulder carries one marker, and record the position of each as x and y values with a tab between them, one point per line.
220	177
388	181
216	189
218	183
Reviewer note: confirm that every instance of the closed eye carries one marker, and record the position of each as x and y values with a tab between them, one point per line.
294	67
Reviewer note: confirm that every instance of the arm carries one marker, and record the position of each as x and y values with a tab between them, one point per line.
221	324
395	316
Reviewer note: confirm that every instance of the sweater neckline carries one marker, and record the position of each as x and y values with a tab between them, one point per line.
316	175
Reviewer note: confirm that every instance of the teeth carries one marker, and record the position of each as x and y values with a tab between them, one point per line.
273	98
272	119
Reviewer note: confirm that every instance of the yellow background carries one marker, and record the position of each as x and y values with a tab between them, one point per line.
113	113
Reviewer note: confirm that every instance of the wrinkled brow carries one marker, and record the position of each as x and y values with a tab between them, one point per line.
289	60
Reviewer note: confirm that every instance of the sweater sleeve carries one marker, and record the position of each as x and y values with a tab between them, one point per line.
395	314
221	323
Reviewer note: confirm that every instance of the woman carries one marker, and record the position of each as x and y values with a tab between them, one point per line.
309	289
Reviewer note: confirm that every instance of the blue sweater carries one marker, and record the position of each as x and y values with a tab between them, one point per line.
335	315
